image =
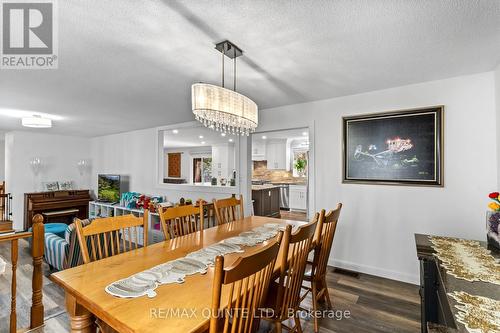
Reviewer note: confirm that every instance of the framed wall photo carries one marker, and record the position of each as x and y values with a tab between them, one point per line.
400	147
50	186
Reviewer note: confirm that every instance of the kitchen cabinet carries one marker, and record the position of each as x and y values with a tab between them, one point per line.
222	161
298	197
276	154
266	200
258	150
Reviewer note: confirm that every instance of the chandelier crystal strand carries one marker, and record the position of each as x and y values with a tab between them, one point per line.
223	109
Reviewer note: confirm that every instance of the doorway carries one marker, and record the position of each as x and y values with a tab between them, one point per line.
281	166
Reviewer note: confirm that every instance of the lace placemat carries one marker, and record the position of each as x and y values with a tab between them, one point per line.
478	314
175	271
466	259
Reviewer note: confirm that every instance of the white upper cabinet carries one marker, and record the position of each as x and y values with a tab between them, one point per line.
258	150
276	154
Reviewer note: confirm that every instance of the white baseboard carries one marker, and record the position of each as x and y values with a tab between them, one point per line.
385	273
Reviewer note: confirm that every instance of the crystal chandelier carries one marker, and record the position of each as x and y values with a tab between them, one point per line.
223	109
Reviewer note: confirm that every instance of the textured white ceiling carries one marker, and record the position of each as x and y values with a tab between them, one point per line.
129	64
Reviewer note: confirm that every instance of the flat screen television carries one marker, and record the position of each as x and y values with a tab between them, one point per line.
109	188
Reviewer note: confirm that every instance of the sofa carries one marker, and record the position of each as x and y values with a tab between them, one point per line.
64	252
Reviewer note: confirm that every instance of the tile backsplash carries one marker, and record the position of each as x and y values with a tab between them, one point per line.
261	172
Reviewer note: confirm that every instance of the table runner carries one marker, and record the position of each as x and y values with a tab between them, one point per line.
478	314
175	271
466	259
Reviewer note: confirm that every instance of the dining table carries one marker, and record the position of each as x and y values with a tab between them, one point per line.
177	307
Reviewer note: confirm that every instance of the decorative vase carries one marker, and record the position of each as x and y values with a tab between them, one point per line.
493	226
214	181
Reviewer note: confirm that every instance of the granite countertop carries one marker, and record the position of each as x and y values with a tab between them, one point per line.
451	283
262	187
290	182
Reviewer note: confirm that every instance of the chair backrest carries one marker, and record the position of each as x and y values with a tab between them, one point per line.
110	236
295	250
228	210
74	256
37	247
323	247
181	220
247	281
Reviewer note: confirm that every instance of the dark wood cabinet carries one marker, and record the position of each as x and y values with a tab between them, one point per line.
266	201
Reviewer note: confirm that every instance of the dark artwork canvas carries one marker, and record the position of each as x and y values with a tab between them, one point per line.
403	147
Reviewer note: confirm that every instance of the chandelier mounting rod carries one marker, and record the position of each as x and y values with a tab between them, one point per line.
231	51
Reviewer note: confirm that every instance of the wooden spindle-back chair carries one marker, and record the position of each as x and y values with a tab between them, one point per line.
37	247
181	220
247	282
285	296
109	236
322	248
229	210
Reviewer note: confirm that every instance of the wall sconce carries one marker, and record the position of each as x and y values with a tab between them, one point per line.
82	166
35	164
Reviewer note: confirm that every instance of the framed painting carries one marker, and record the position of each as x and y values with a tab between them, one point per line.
50	186
396	148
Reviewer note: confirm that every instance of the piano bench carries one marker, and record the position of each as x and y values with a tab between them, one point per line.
67	213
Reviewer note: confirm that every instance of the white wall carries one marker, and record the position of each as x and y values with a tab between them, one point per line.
134	154
2	158
375	233
497	99
59	155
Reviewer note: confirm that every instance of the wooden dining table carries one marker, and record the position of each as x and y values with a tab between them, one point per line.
176	307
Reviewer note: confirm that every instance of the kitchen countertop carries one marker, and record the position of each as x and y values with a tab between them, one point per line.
281	182
263	187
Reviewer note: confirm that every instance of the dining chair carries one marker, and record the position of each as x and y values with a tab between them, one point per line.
228	210
109	236
284	296
316	276
246	282
181	220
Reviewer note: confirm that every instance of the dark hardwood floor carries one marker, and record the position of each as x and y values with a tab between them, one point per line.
374	304
296	216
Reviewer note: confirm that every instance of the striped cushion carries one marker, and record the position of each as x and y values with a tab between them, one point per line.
56	250
74	257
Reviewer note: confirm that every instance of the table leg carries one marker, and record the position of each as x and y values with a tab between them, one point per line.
82	321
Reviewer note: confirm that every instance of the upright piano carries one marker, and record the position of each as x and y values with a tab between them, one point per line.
63	205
